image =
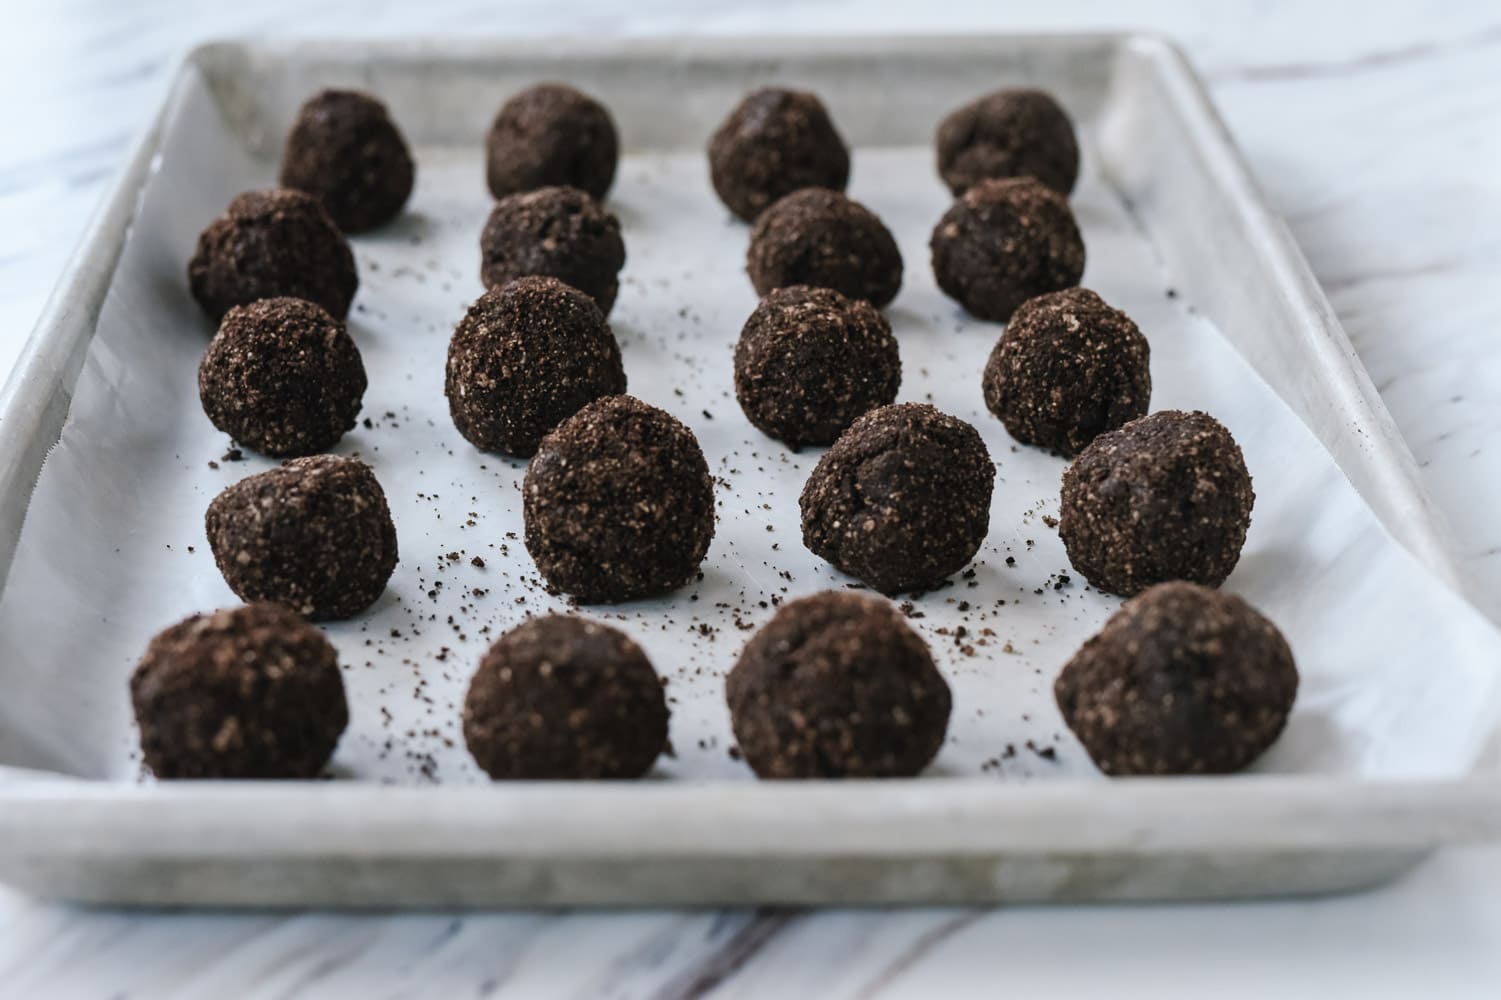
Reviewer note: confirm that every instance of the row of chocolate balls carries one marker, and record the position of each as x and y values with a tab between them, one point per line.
834	686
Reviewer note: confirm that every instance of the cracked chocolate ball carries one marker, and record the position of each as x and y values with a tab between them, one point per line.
527	355
269	244
345	151
252	692
837	686
775	142
902	499
282	377
1166	497
563	698
618	503
1004	242
558	232
809	361
1011	133
1067	368
819	237
1181	680
551	135
314	534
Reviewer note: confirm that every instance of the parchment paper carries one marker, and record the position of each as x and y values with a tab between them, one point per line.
1398	674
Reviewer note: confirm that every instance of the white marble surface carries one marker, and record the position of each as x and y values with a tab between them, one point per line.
1375	128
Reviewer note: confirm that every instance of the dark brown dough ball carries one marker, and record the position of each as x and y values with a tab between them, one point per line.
819	237
775	142
1068	368
1004	242
345	151
837	686
560	697
283	377
1181	680
902	500
559	232
252	692
1010	133
269	244
810	361
551	135
618	503
314	534
1166	497
527	355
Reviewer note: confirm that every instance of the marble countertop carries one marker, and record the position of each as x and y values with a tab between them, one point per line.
1376	131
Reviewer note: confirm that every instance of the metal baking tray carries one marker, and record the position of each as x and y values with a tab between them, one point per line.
1156	147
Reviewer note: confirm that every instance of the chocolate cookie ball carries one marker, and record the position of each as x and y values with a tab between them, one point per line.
283	377
837	686
345	151
269	244
819	237
1067	368
810	361
775	142
551	135
314	534
1181	680
527	355
1166	497
559	697
253	692
902	500
1010	133
559	232
1004	242
618	503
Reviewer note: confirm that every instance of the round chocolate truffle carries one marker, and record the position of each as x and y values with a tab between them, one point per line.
1010	133
560	697
819	237
527	355
618	503
252	692
283	377
1004	242
1067	368
345	151
551	135
902	500
775	142
837	686
314	534
1181	680
559	232
269	244
810	361
1166	497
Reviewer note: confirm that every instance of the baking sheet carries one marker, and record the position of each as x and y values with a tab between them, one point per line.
1398	673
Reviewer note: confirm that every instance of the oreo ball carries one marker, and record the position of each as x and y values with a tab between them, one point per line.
557	232
551	135
1017	132
819	237
776	141
345	151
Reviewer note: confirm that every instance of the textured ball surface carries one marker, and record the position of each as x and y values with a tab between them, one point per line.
1004	242
560	697
1181	680
527	355
551	135
283	377
345	151
1166	497
837	686
315	535
269	244
776	141
819	237
252	692
1018	132
809	361
618	503
557	232
902	499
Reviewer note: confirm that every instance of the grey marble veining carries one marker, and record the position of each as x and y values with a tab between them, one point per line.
1374	128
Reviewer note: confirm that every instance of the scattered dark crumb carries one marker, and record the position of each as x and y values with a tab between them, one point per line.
1050	521
232	455
477	563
